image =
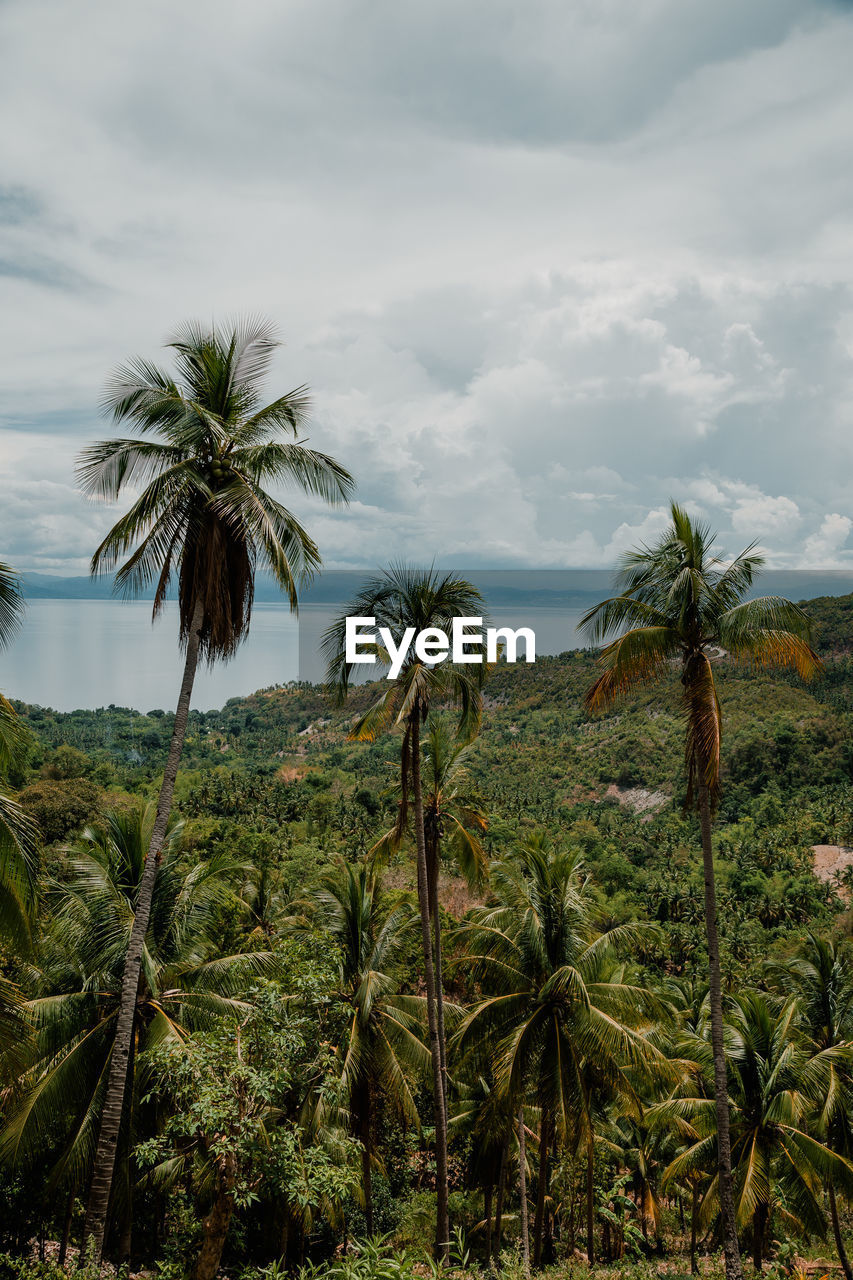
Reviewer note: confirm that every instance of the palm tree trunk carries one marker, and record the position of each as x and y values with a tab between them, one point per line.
499	1206
487	1214
216	1223
836	1231
442	1223
694	1222
541	1190
590	1193
759	1226
366	1174
105	1154
439	980
126	1238
66	1229
522	1190
721	1090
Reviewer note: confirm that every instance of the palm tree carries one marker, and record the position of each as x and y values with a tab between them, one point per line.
676	604
489	1123
637	1147
819	975
17	840
453	822
552	1019
263	896
11	604
778	1086
688	1006
400	598
205	447
184	983
382	1049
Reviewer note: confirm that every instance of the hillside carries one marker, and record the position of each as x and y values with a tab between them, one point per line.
275	772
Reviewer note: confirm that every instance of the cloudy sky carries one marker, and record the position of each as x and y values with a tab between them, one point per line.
544	263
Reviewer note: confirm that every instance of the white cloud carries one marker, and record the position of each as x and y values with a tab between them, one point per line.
821	550
542	264
762	515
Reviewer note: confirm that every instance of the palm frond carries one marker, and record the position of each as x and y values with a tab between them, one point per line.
639	656
11	604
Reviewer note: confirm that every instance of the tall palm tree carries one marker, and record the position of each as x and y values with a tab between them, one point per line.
688	1008
778	1086
400	598
184	983
453	822
17	833
819	975
676	604
383	1049
17	839
551	1016
204	448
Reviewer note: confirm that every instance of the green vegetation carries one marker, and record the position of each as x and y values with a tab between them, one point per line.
404	599
279	828
466	953
205	447
678	602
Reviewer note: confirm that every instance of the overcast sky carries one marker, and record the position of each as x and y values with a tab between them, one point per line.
544	263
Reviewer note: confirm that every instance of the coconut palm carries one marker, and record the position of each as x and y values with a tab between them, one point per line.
11	604
677	603
402	598
552	1022
778	1084
687	1003
382	1051
17	840
640	1148
263	895
17	832
184	983
453	823
819	975
489	1123
18	843
205	447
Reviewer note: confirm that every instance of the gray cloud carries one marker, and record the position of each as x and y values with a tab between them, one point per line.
545	265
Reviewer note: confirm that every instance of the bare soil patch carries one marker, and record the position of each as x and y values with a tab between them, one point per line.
830	860
637	798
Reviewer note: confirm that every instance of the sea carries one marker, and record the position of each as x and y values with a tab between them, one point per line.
80	653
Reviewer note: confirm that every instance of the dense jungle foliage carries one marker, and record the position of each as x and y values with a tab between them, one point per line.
280	1096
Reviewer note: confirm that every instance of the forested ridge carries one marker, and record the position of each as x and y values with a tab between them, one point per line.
245	1028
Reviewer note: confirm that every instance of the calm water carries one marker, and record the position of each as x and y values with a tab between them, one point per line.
91	653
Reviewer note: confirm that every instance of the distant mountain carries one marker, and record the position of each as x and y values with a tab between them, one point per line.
49	586
513	588
336	587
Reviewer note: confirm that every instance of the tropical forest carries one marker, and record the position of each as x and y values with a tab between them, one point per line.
486	969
